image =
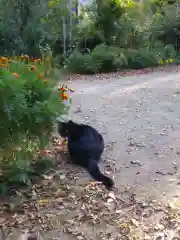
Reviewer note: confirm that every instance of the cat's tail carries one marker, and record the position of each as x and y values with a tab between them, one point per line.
95	172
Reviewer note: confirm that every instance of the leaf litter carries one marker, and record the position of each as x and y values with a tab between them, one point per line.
84	211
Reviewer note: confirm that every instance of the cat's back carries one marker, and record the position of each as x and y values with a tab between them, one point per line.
86	134
85	143
91	134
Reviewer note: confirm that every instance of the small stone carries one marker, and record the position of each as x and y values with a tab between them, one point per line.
135	162
62	177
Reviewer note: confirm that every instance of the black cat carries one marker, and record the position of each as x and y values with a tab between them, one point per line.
85	146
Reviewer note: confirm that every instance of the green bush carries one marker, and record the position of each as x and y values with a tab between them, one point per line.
104	59
29	105
108	58
79	63
143	58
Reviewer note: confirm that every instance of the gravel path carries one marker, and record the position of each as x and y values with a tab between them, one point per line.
139	117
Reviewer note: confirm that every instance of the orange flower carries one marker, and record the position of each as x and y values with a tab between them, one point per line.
41	75
3	60
65	88
64	96
38	60
32	68
16	75
62	89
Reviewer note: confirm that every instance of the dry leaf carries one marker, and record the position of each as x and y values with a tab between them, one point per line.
46	177
135	222
111	195
124	228
44	201
60	193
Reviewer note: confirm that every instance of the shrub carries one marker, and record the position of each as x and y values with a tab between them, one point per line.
29	104
104	59
108	59
143	58
79	63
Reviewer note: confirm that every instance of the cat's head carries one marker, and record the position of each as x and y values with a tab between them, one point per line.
65	129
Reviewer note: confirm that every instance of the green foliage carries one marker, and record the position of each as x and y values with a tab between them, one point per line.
143	58
103	59
107	14
138	35
111	58
29	105
126	24
80	63
24	31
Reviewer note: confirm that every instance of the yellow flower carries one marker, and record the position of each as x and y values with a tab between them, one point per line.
171	60
167	61
15	75
41	75
3	60
161	62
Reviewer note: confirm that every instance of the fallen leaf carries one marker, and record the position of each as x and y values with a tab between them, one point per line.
43	201
135	222
124	228
60	193
111	195
46	177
